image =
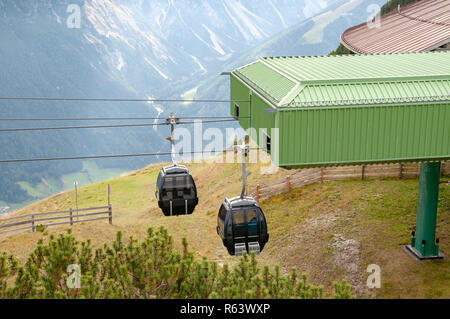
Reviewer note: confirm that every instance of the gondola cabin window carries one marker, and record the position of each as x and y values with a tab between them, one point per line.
240	227
239	217
159	181
179	183
252	219
236	111
221	218
168	188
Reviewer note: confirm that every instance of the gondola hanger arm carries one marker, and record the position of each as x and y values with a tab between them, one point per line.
244	149
172	121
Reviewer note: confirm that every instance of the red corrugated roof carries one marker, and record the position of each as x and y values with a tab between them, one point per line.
420	26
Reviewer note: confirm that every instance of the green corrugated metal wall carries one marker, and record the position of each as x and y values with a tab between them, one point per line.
350	135
259	119
239	92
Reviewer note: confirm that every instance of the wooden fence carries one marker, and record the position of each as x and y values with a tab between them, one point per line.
314	175
72	217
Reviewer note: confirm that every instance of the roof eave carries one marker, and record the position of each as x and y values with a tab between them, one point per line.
253	89
347	45
351	105
437	45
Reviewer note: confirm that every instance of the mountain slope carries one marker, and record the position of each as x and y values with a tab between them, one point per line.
131	49
317	35
327	230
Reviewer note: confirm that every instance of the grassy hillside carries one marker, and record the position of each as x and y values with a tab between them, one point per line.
329	230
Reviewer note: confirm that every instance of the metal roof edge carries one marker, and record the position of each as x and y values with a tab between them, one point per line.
434	47
443	158
374	104
348	55
246	65
248	85
348	45
418	78
258	86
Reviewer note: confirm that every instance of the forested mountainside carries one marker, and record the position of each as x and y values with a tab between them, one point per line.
136	49
317	35
131	49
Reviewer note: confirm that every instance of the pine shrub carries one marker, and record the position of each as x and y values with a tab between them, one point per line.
150	268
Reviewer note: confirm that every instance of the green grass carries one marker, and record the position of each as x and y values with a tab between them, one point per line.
379	214
89	174
45	188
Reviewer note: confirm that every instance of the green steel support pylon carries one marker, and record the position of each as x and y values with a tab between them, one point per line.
423	242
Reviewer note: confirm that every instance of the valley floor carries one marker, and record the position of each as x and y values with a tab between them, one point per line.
329	231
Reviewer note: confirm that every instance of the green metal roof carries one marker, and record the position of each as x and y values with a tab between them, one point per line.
350	79
274	85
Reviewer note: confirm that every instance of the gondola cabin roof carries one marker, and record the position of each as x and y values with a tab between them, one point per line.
175	169
236	202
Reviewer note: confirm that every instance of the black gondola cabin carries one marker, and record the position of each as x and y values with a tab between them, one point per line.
241	224
176	192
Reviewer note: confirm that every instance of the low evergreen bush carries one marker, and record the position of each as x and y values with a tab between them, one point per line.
150	268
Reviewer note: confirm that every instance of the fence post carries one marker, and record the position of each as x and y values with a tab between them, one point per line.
33	228
401	170
363	169
321	174
110	214
442	169
257	193
108	192
71	217
288	183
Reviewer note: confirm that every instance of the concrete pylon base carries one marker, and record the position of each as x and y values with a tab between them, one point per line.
413	253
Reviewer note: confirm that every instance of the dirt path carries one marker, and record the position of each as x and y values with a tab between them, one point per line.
346	256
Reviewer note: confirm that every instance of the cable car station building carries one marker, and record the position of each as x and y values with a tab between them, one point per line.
353	109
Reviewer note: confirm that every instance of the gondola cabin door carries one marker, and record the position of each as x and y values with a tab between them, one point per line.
246	226
240	231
